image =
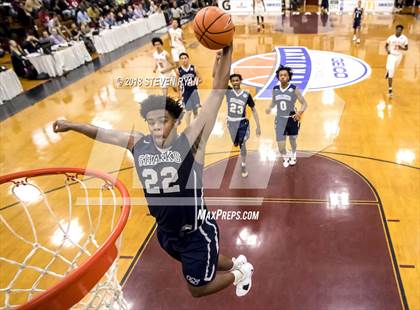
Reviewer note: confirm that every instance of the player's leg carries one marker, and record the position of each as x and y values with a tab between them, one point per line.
354	31
200	261
243	135
281	139
244	171
262	22
293	144
195	111
258	23
227	264
195	102
165	91
283	151
390	69
165	80
233	127
175	55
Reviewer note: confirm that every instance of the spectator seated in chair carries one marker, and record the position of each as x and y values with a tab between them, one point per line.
21	65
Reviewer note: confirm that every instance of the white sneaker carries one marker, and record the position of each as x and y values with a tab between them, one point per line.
354	38
285	162
238	262
358	41
244	285
292	161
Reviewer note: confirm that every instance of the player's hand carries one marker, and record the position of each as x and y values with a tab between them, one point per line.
258	131
297	116
218	55
61	125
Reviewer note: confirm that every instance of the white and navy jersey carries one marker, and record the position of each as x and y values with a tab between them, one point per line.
188	79
172	184
237	102
358	12
285	100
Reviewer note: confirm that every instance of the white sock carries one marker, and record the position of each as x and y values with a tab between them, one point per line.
243	164
238	276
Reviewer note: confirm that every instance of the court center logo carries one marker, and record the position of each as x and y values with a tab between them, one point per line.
312	70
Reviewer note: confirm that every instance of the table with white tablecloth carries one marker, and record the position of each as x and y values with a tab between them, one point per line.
110	39
61	61
156	21
10	85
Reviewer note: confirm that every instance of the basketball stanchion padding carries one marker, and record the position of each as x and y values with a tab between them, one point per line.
88	279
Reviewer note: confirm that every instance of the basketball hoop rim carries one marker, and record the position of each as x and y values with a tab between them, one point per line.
105	252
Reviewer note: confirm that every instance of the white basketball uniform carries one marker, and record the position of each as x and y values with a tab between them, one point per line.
164	64
259	8
176	42
395	55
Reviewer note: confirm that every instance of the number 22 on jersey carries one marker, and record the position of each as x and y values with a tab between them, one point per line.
165	180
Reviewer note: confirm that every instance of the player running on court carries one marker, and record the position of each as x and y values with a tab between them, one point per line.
237	100
259	10
177	41
287	120
170	168
189	78
164	65
394	46
357	21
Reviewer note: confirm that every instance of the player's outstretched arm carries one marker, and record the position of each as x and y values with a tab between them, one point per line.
303	103
203	124
125	139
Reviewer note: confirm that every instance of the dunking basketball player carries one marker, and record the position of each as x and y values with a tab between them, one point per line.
189	78
287	119
394	46
170	167
357	21
237	100
165	65
259	10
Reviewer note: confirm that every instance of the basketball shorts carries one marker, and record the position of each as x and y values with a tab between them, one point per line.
191	100
168	79
356	23
176	51
392	63
259	10
197	251
239	131
286	127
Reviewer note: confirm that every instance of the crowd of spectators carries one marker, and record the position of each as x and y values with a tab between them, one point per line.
28	25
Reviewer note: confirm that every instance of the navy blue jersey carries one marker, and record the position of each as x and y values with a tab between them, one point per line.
172	183
285	100
188	79
237	102
358	12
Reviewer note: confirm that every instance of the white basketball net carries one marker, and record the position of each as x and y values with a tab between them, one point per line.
69	250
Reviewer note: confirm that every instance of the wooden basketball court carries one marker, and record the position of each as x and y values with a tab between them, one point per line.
356	144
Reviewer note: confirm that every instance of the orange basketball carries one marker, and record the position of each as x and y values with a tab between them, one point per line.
213	28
